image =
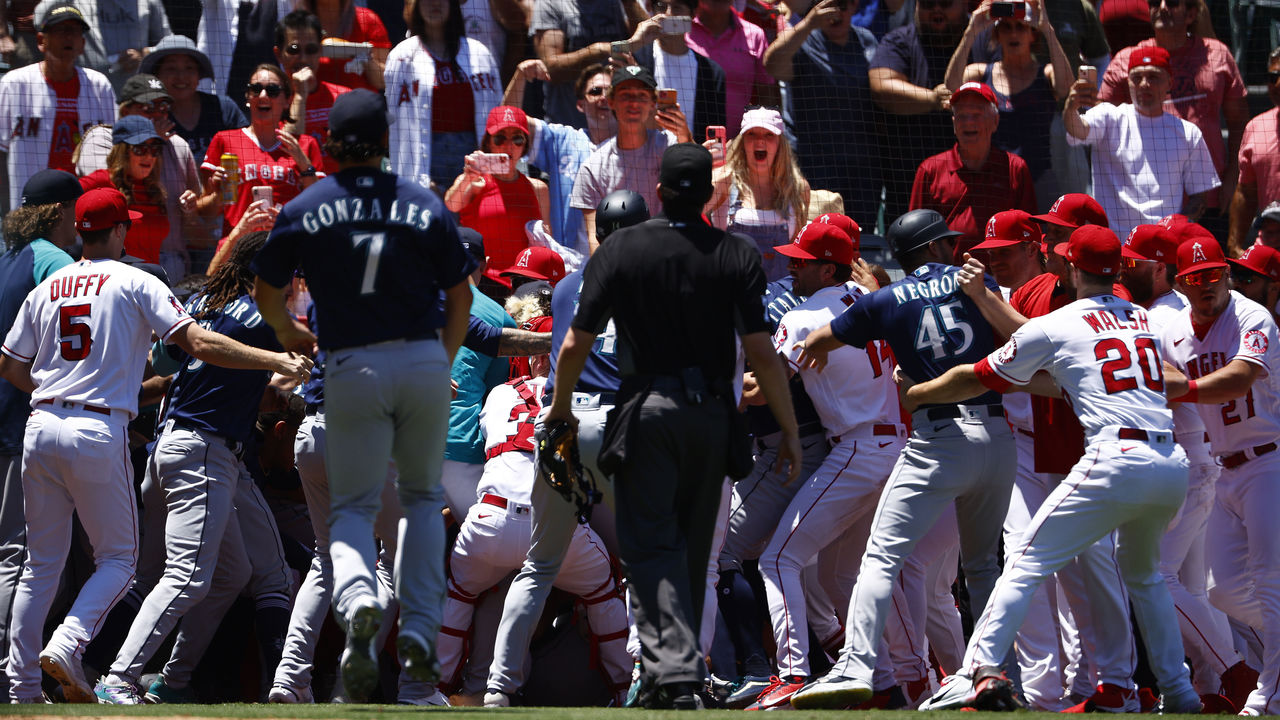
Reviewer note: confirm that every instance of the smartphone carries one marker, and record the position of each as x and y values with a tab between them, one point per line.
667	96
264	195
1089	74
494	163
1006	9
618	50
717	133
676	24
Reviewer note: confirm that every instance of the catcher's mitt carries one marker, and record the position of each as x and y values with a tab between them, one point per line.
561	468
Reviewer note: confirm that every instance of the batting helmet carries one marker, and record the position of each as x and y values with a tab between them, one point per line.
619	209
917	229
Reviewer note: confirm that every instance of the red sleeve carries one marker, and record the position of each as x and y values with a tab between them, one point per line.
96	179
370	29
1024	188
917	189
989	378
1115	81
213	155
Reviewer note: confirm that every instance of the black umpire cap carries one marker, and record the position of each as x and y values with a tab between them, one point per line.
917	229
50	186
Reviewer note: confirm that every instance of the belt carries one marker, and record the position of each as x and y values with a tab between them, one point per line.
592	400
877	430
72	404
235	446
1128	433
501	502
963	411
1236	459
1028	433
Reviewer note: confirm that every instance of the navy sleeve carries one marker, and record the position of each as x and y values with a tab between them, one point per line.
232	117
482	337
859	324
278	257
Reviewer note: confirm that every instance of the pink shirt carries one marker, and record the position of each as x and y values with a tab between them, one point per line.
740	51
1260	156
1205	76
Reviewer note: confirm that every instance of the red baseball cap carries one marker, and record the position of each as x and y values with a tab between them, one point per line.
1173	222
505	116
103	208
845	223
976	89
820	241
1260	259
1154	242
1199	254
1153	56
539	263
1095	249
1010	228
1074	210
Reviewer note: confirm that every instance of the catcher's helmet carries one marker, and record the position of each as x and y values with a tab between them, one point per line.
619	209
917	229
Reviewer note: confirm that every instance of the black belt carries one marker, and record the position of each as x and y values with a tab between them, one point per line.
813	427
235	446
953	411
1236	459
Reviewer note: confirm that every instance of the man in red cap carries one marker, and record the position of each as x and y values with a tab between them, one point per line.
857	404
1011	249
1226	347
973	180
1102	354
535	263
1145	162
1256	275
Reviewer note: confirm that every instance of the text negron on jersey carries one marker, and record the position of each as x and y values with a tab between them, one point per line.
1103	320
353	209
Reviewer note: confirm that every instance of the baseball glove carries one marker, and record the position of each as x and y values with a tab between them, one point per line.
561	467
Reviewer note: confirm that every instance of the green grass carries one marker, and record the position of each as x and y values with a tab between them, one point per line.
377	711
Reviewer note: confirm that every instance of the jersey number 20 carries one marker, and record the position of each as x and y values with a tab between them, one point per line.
1118	358
73	327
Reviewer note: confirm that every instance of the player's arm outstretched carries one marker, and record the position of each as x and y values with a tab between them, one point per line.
218	349
812	352
1004	320
457	310
1222	385
772	378
18	373
290	331
955	385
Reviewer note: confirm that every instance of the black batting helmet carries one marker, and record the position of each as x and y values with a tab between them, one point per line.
917	229
619	209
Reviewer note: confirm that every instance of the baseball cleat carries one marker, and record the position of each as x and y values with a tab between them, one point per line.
289	695
832	692
1189	705
1237	682
418	657
160	692
117	692
778	694
1109	698
360	658
68	673
496	699
747	691
988	689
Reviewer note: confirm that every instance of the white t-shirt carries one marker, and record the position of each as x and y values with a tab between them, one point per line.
86	330
1102	353
506	419
856	388
1142	166
679	73
1246	331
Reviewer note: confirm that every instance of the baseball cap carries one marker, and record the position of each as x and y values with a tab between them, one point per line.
633	73
1154	242
539	290
359	116
50	186
820	241
134	130
974	89
143	88
1199	254
1271	212
472	242
685	167
763	118
845	223
1260	259
176	44
539	263
1153	56
49	14
1095	249
505	116
103	208
1010	228
1073	210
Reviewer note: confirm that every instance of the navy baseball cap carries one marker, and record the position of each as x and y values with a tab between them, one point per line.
50	186
49	14
143	88
359	116
134	130
633	73
472	242
686	167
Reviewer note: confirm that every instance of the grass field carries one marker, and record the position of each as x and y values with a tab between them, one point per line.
375	711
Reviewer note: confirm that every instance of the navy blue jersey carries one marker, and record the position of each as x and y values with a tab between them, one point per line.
600	374
376	250
217	399
927	319
778	299
313	390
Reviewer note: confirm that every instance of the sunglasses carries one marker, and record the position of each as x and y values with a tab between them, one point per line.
308	49
1212	276
597	91
152	149
273	90
1244	277
801	263
518	139
158	107
1132	264
1171	4
935	4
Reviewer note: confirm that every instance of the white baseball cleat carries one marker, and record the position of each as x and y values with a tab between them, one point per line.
67	671
988	689
289	695
832	692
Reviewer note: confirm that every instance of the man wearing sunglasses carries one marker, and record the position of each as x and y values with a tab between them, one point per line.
1226	347
1259	184
297	49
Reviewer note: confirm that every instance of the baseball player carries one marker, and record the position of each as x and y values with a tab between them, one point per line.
1256	275
553	526
858	407
1103	354
372	246
78	345
208	418
1226	346
957	452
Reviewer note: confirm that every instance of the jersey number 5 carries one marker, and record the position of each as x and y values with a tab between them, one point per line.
73	326
1118	357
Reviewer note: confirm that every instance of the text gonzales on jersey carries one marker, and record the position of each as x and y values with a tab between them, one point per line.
355	209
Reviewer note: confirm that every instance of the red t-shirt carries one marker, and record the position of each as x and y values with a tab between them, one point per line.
259	166
366	28
147	234
66	124
499	213
317	123
1059	440
968	198
452	104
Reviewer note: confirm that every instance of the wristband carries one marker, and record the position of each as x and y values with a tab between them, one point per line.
1191	395
309	172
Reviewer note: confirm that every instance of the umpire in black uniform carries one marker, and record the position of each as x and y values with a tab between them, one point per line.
677	290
